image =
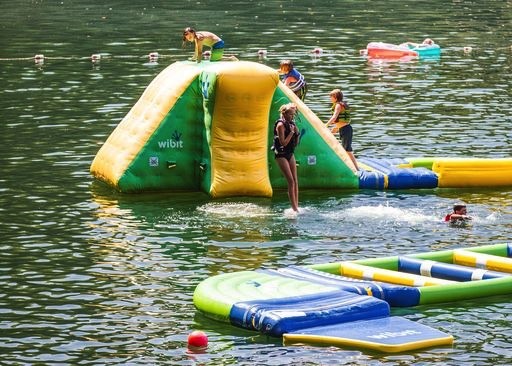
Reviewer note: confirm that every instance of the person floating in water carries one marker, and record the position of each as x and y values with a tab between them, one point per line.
292	78
209	39
426	42
459	214
286	138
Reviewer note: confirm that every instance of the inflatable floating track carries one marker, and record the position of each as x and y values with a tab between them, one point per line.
348	304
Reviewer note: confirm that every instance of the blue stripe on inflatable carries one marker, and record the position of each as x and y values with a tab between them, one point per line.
395	295
371	180
445	271
277	316
509	250
403	178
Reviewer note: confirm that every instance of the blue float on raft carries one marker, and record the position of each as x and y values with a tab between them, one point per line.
427	51
278	316
394	174
394	295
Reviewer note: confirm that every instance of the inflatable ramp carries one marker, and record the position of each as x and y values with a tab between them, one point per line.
301	311
209	127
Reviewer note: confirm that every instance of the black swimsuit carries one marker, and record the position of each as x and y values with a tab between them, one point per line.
280	150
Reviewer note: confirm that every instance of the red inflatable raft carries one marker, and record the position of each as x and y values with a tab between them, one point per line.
388	50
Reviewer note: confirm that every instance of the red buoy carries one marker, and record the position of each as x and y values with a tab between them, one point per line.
197	340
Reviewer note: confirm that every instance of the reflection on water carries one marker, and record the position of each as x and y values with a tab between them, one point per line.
89	275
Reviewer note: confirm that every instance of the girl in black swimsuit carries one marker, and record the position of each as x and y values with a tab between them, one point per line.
286	137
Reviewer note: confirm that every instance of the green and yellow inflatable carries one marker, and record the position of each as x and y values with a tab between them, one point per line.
209	127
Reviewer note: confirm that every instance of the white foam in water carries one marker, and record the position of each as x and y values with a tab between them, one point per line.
291	214
234	209
492	218
387	213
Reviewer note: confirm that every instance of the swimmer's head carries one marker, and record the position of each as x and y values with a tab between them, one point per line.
458	207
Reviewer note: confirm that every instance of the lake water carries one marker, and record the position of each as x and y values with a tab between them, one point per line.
91	276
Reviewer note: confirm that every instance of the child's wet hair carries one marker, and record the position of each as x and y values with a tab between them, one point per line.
288	107
288	63
187	31
338	94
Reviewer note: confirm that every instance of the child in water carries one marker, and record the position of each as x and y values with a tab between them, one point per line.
426	42
459	214
209	39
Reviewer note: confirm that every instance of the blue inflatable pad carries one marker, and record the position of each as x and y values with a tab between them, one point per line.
371	180
393	334
283	315
394	295
402	178
445	271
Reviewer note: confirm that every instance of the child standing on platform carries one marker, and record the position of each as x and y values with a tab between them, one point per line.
340	122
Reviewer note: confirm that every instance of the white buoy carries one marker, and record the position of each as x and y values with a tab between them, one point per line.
318	51
468	49
207	55
39	60
153	55
95	57
363	52
262	53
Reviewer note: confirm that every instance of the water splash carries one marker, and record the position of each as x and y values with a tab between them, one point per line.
235	209
387	213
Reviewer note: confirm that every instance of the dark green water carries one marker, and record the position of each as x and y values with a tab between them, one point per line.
89	276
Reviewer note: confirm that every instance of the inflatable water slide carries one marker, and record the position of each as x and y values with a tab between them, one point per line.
209	127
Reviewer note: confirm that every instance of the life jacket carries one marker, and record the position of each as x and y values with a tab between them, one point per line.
344	115
276	146
299	86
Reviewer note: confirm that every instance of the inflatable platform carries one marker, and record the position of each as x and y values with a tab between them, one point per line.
209	127
349	303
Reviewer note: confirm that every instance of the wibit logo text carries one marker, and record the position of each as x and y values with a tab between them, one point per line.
403	333
174	142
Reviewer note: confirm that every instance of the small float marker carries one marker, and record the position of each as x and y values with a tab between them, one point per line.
468	49
207	54
197	341
96	57
262	53
363	52
318	51
39	59
153	55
